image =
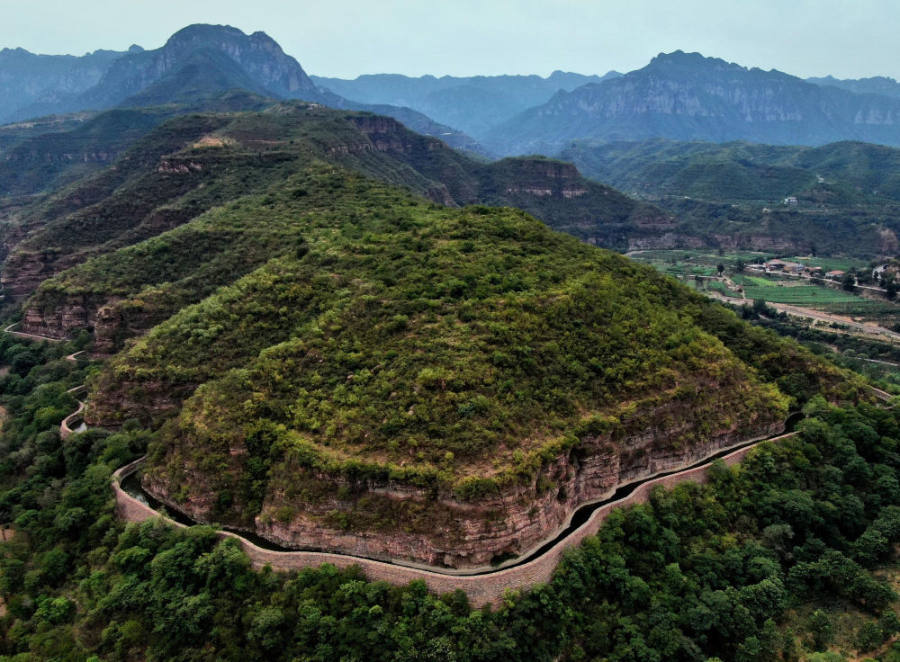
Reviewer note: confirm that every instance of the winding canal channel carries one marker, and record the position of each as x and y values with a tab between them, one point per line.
131	484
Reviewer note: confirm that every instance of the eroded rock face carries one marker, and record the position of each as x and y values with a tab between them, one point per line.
394	521
61	321
24	271
116	321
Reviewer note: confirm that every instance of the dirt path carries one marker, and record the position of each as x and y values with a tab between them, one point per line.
808	313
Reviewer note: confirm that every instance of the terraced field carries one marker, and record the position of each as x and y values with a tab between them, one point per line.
798	294
704	262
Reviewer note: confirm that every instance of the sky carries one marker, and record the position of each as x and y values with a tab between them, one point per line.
345	38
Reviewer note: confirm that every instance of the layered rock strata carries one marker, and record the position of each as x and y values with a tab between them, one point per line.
396	521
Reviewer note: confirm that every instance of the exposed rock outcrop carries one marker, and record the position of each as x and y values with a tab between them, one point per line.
392	520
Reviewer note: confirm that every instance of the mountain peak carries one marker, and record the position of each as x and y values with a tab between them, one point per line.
693	60
686	96
203	32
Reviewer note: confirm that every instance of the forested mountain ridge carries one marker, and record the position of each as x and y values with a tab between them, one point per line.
362	294
507	368
844	197
194	162
685	96
866	172
789	554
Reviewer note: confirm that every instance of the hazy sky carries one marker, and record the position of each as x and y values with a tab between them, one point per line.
847	38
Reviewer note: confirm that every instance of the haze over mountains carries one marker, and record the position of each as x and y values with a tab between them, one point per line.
679	96
30	82
598	122
198	63
685	96
474	104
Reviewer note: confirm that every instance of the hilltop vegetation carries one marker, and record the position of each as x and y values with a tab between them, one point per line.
376	336
775	559
195	162
330	327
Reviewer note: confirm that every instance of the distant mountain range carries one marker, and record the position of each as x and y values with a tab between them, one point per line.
473	104
196	63
875	85
29	81
222	57
654	132
677	96
685	96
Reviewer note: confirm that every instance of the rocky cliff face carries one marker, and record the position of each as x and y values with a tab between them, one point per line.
543	178
393	521
684	96
112	320
73	314
257	54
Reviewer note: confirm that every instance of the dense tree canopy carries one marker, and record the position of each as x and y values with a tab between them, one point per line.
700	571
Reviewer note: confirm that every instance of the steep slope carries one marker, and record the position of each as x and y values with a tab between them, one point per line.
732	195
474	103
258	55
204	73
32	84
402	380
201	63
191	164
685	96
46	154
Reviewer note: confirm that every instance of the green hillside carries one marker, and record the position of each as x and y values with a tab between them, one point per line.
323	322
847	194
743	171
196	162
383	338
